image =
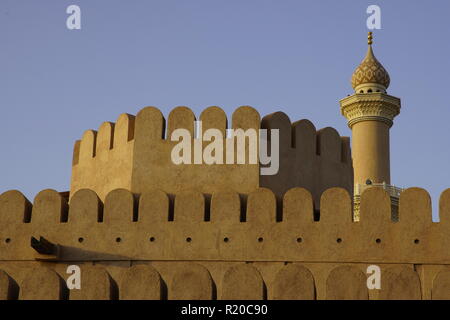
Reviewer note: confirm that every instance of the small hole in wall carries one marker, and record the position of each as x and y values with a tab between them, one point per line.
417	241
361	91
152	239
226	239
338	240
299	240
118	239
369	91
7	240
188	239
80	240
260	239
378	241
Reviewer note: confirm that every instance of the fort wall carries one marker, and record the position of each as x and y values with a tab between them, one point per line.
135	154
309	158
213	245
103	159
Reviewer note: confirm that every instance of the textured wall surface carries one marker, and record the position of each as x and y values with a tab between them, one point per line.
191	247
315	160
135	154
103	160
141	227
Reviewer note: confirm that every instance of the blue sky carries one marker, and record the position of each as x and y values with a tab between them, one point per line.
291	55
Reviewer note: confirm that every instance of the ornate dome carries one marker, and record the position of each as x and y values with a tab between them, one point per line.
370	70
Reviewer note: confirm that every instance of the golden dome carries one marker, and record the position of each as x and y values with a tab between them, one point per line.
370	70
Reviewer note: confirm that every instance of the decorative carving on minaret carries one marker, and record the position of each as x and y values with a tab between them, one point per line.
370	70
370	101
375	106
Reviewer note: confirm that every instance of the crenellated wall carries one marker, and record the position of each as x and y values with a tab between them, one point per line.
103	160
192	246
313	159
152	164
135	154
143	162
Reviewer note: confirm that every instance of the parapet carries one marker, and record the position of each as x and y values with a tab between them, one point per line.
135	154
226	226
103	160
309	158
213	243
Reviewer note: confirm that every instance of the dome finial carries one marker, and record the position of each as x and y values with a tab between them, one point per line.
370	75
370	38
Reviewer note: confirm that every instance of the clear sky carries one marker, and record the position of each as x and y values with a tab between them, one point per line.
290	55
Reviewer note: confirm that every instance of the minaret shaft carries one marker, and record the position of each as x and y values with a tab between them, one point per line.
370	150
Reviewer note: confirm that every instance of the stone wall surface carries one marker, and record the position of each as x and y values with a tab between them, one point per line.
152	246
135	154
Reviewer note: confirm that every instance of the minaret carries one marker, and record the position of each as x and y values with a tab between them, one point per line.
370	112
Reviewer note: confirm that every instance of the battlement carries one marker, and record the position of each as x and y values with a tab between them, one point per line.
103	160
227	226
393	191
313	159
142	161
135	154
214	243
